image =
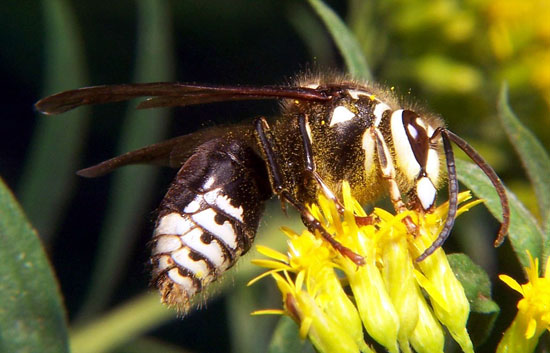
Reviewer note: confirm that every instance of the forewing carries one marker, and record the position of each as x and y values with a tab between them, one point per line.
164	94
171	153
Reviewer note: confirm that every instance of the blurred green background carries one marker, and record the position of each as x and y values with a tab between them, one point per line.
450	56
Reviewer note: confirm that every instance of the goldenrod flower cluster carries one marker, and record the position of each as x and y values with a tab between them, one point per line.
400	303
533	317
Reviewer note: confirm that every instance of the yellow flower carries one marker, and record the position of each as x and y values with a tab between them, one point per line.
312	294
387	291
533	317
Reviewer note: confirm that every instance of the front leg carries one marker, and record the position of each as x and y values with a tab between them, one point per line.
305	134
388	173
278	184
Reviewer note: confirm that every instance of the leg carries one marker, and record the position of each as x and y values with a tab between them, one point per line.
278	185
310	163
310	167
388	172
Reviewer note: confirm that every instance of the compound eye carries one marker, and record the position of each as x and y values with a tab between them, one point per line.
415	129
416	158
408	136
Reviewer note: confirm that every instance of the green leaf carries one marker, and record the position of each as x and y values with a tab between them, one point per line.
477	287
312	32
150	345
32	318
344	39
286	339
121	324
249	333
154	63
532	154
524	233
58	138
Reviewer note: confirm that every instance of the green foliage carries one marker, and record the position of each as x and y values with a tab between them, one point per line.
286	338
477	286
344	39
120	325
154	63
56	137
533	155
32	317
525	233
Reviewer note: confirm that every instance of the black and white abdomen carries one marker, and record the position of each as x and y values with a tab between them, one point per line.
207	219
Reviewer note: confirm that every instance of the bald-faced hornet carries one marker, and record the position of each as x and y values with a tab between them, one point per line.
330	130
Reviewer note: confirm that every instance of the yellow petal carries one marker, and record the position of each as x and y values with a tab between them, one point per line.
466	207
274	254
512	283
271	264
299	279
268	312
433	292
259	277
284	286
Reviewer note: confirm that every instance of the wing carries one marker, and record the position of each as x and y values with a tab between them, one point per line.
171	153
164	94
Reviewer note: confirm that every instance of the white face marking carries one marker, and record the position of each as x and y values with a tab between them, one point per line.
432	165
341	114
389	169
368	149
185	282
198	268
216	198
194	205
224	232
167	244
209	182
426	192
403	151
213	251
378	113
173	223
